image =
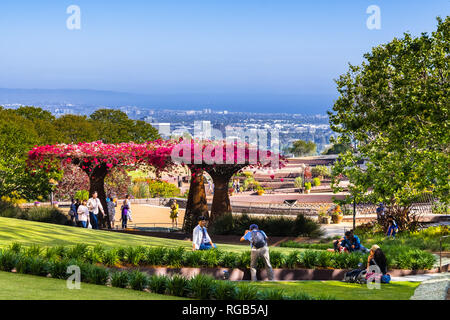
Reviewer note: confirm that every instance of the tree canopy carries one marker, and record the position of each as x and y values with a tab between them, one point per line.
394	108
302	148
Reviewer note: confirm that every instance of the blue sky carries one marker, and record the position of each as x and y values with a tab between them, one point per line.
228	47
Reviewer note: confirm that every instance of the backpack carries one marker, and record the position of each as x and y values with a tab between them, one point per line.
258	239
356	276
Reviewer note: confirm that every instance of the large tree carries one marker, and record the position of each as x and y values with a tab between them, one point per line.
302	148
114	126
17	136
394	109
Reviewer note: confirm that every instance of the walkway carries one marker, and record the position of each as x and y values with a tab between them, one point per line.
433	287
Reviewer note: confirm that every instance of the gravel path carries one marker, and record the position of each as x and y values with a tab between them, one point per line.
435	288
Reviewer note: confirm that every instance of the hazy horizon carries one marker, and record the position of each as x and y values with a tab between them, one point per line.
254	55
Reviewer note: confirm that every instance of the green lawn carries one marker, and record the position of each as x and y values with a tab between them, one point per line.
345	291
25	287
45	234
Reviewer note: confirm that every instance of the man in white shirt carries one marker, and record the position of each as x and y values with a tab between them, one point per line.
200	237
94	205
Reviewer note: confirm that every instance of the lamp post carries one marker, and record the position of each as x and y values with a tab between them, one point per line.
53	183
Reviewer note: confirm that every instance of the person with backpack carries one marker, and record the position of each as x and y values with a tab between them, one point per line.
258	242
200	237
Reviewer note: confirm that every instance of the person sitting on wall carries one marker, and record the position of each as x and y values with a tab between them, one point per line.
200	237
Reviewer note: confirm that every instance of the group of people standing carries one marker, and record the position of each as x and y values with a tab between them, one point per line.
85	213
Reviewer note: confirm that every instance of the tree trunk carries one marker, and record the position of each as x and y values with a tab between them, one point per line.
97	183
196	205
221	201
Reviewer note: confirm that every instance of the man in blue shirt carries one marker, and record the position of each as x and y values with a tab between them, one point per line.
258	242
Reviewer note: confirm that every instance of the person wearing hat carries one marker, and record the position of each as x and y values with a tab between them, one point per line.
258	243
200	237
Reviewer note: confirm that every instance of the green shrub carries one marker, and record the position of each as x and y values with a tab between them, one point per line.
309	258
15	247
201	287
228	259
134	255
246	292
177	286
58	269
97	275
9	210
82	195
138	280
272	226
8	260
120	279
95	254
33	251
298	182
320	171
46	214
111	258
77	252
316	182
272	294
23	264
162	189
158	284
277	259
293	260
174	257
38	266
154	256
300	295
193	258
224	290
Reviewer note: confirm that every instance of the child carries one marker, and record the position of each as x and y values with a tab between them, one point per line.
124	217
393	228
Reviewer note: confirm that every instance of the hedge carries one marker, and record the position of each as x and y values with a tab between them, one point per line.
198	287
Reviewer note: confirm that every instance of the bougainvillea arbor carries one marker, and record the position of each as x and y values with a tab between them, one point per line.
96	159
221	160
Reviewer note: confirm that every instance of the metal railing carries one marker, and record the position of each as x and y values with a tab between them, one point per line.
440	251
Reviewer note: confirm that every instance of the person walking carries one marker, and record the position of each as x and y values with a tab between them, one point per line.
111	206
259	248
174	213
127	202
83	214
200	237
73	212
95	206
124	209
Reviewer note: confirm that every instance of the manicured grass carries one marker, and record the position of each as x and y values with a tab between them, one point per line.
45	234
345	291
25	287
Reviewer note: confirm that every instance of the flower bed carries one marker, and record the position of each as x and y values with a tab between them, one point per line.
200	286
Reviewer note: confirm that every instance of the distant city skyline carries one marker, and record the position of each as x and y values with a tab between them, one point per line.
256	56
